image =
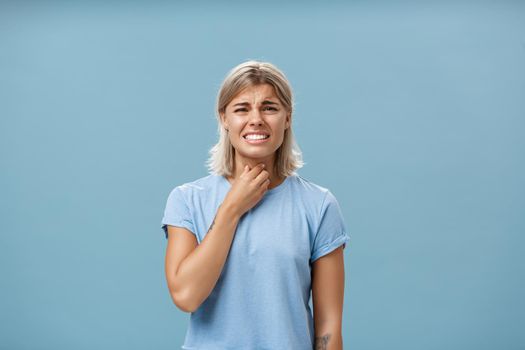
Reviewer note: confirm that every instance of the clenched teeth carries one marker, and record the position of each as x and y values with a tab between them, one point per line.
256	137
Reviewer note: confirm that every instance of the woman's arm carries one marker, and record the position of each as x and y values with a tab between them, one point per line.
196	275
328	279
193	276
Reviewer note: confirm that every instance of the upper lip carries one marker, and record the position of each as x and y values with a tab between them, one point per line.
256	133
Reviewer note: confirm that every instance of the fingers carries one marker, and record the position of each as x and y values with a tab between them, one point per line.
265	184
261	178
256	170
257	175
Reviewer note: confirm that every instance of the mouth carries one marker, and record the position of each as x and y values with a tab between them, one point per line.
256	138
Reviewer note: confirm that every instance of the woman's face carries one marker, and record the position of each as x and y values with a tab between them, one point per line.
256	110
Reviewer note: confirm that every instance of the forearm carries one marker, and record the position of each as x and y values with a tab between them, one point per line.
328	337
200	270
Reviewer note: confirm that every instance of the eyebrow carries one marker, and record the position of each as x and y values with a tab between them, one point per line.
265	102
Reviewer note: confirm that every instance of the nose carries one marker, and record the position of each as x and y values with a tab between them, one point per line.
255	117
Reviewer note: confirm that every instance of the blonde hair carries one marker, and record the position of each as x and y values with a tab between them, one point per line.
288	157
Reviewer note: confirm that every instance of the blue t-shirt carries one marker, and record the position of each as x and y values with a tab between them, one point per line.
262	297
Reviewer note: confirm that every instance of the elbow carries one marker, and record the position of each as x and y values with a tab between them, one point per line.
184	302
180	296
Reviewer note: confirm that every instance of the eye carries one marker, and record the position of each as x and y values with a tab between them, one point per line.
240	110
270	108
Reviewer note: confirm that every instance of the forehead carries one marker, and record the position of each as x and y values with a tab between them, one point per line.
256	92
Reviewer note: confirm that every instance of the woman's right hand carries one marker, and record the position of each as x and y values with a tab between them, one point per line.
248	189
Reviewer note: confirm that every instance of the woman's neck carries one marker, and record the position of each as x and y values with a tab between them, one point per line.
241	162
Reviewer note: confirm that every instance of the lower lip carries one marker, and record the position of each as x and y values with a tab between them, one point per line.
255	142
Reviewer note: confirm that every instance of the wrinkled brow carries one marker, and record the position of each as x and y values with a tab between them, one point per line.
265	102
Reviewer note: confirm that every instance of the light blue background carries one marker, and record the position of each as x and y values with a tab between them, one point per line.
412	113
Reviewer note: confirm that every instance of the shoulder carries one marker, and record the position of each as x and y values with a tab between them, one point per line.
198	186
310	189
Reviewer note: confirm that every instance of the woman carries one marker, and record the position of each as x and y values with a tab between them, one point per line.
249	242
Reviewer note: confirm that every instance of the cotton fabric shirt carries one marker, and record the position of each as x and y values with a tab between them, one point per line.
262	297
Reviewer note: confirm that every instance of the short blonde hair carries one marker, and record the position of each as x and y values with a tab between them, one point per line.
288	157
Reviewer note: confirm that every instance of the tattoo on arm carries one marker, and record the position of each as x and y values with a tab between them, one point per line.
213	222
211	225
321	343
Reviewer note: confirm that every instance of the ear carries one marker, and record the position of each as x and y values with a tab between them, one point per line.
288	120
223	121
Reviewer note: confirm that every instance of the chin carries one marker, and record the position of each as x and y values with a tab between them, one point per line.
256	154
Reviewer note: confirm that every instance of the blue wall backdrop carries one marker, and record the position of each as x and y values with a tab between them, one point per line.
412	113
